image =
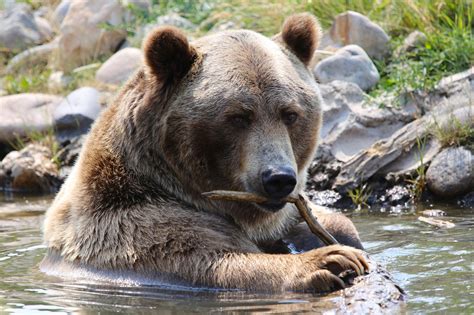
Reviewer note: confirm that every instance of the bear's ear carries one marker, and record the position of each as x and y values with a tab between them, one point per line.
168	54
301	34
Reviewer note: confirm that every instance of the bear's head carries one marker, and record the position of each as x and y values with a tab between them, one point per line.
236	110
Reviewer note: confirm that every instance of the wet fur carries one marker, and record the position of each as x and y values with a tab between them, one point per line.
133	201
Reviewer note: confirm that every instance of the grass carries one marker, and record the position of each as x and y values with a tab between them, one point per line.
447	24
27	82
360	195
454	133
418	183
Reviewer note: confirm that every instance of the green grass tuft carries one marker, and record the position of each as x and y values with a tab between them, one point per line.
454	133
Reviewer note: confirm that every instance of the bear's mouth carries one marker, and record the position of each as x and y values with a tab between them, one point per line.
272	205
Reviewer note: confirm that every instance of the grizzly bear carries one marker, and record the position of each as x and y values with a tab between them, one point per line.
233	110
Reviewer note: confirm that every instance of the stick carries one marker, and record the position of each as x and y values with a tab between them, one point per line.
313	223
437	222
299	202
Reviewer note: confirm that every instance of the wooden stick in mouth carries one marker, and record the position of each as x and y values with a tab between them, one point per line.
299	202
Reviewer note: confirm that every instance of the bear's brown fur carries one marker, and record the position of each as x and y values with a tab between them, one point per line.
198	117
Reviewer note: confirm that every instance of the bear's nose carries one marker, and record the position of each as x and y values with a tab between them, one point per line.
279	182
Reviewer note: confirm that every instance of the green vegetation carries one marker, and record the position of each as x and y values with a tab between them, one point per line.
454	133
448	26
360	195
35	80
418	183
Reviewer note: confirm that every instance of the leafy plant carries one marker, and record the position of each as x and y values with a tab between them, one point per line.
32	81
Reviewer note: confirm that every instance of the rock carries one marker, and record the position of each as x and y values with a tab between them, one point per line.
433	213
405	165
19	29
77	112
351	124
24	113
82	35
176	20
354	28
454	91
118	68
350	64
396	195
125	44
61	11
451	172
30	170
467	201
414	39
383	156
8	4
141	4
44	27
395	157
42	12
326	198
31	57
58	81
374	293
172	19
320	55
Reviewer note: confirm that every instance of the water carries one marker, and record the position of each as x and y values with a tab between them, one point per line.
434	266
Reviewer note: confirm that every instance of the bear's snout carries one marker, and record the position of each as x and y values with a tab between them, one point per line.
278	181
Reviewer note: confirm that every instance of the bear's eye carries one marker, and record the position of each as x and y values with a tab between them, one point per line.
240	121
289	118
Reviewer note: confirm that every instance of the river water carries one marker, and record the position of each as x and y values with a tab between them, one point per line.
434	266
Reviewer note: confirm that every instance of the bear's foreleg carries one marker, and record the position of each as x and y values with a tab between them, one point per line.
338	225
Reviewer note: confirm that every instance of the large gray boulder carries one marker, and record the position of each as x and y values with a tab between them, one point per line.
76	113
83	36
118	68
60	12
354	28
351	124
25	113
451	172
19	29
350	64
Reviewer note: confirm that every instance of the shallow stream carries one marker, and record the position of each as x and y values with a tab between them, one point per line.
434	266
